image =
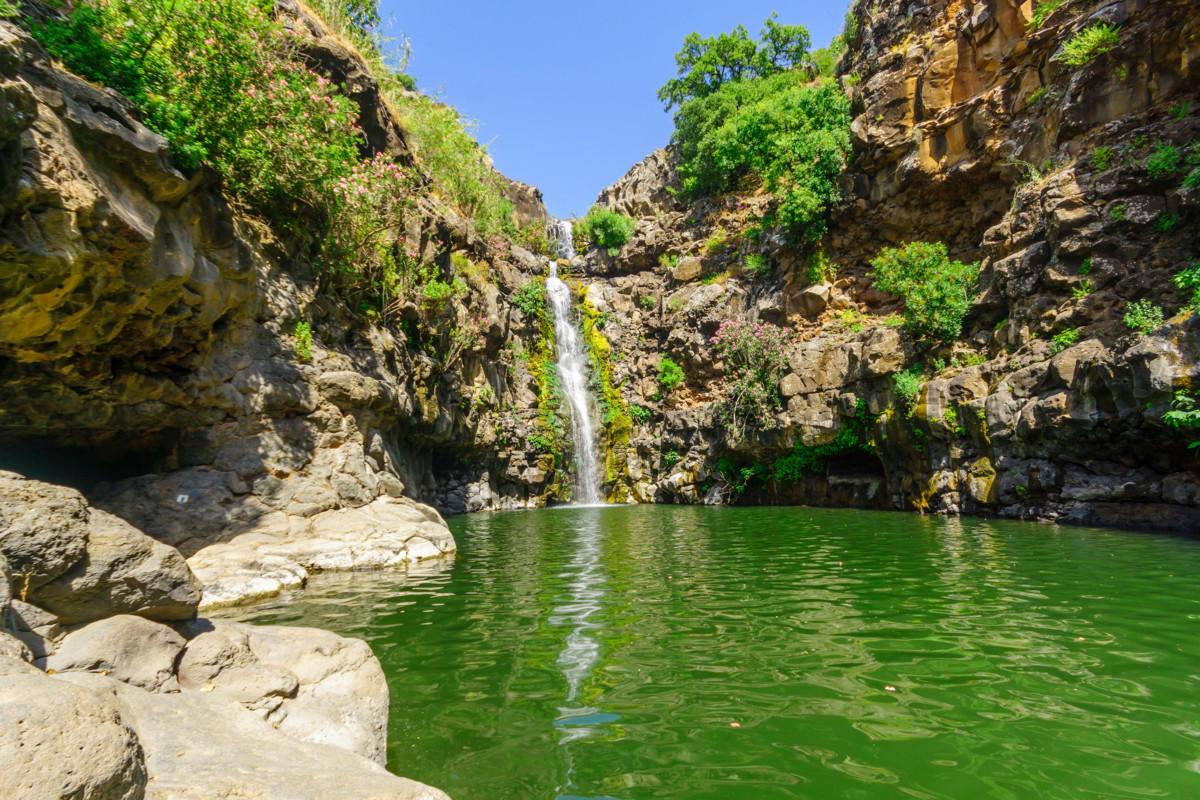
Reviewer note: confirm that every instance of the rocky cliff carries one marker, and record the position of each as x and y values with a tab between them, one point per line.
967	131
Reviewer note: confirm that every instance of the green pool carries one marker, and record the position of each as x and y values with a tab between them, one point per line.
687	653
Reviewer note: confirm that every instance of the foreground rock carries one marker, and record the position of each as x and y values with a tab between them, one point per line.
280	551
130	649
313	685
83	564
199	747
62	741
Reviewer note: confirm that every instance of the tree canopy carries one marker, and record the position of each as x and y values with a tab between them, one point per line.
705	64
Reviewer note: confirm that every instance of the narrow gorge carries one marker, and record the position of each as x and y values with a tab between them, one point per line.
820	430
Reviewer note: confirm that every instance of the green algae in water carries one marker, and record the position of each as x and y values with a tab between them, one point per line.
686	653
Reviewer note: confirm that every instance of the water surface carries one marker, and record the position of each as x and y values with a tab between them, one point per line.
689	653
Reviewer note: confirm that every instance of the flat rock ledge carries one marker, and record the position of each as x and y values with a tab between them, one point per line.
281	550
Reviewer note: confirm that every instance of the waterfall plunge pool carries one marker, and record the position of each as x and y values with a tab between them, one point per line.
695	652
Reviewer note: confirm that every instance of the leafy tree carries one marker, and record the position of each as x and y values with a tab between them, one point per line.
705	64
936	290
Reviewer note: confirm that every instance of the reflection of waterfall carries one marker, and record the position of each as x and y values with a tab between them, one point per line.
581	651
572	372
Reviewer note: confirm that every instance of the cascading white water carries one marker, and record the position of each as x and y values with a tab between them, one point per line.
572	373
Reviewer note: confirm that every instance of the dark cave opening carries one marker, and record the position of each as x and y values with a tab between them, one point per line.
86	464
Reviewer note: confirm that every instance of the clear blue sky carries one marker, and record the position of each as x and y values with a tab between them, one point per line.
564	94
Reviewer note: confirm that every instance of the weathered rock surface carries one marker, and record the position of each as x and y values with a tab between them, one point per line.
60	741
127	648
201	746
122	571
280	551
313	685
43	530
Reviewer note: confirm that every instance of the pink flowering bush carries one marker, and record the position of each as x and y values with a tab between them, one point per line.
755	359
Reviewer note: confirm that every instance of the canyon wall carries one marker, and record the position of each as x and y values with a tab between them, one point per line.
967	131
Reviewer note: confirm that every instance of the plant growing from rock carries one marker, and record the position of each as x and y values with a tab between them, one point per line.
1163	161
531	299
640	414
756	361
852	437
1189	278
757	265
670	375
1184	416
1143	317
1168	222
1119	212
1041	12
908	383
1180	110
605	229
1089	44
1102	158
304	340
1083	289
1064	339
936	290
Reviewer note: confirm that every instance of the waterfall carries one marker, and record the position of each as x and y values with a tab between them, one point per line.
572	372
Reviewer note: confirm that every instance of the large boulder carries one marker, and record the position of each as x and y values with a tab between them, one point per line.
201	746
128	648
123	571
60	741
43	530
311	684
280	551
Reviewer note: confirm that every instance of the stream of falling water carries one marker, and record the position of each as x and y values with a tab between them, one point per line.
572	374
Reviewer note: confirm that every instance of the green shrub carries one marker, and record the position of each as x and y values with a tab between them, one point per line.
1189	278
757	265
793	137
1064	339
756	360
304	340
1085	268
1102	158
640	414
937	292
1180	110
1143	317
1164	161
821	269
1089	44
222	83
1118	212
908	383
854	436
531	299
8	9
1083	289
1168	222
605	229
648	302
436	291
670	458
1192	165
1041	12
1184	416
670	374
1037	94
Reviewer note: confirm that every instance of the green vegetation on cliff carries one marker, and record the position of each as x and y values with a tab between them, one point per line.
755	362
748	110
936	290
229	87
603	228
615	413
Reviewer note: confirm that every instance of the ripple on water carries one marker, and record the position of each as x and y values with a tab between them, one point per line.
690	653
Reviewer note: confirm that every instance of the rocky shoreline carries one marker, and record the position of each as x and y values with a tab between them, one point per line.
113	687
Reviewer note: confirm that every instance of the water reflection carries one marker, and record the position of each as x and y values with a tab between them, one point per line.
685	653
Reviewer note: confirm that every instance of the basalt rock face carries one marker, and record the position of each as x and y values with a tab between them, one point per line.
969	132
147	332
